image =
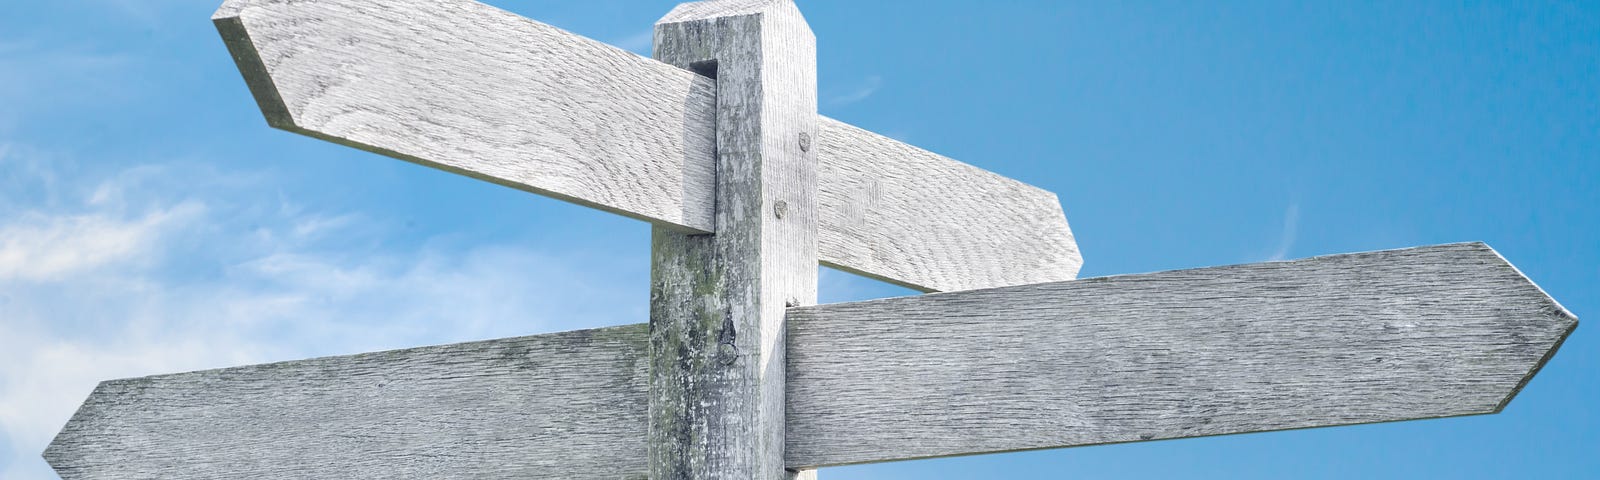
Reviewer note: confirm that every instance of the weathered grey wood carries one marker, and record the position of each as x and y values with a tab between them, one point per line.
1403	334
1394	335
467	88
559	406
908	216
717	301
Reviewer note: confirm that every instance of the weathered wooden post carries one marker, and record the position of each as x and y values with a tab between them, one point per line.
717	301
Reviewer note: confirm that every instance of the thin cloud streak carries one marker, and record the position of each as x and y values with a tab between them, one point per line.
862	92
1291	228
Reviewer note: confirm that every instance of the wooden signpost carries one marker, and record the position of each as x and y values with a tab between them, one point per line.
738	374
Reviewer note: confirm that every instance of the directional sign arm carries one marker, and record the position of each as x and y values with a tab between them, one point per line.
904	215
556	406
471	89
1373	337
1404	334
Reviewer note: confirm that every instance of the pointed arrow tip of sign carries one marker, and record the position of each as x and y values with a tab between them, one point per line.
67	450
55	456
1556	312
1564	320
1553	318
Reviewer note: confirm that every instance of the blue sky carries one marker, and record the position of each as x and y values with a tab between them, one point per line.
151	223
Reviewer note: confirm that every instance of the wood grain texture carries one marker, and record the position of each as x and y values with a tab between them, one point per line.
901	214
717	301
1416	333
467	88
472	89
1404	334
558	406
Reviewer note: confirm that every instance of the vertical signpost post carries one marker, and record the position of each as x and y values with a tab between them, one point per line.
717	300
738	374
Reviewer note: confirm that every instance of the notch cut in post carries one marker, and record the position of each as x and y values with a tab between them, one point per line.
717	301
705	68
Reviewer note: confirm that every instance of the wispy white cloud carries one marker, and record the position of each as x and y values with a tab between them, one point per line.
863	91
144	271
1291	228
42	247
